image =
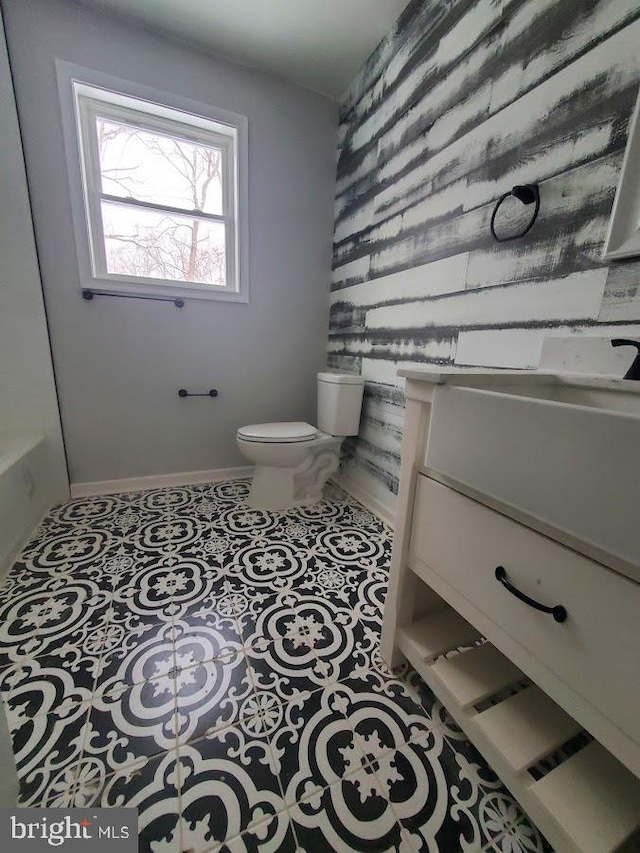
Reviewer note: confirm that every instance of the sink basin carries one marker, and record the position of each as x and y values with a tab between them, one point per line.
563	455
615	395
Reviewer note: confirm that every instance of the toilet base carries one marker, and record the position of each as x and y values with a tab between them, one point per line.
284	488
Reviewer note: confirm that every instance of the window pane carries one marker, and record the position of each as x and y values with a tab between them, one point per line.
151	167
147	244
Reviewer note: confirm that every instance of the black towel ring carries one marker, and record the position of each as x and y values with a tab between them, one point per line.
527	194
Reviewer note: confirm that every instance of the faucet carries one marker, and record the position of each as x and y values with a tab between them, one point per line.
634	370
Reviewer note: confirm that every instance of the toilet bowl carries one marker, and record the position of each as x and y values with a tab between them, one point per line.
293	460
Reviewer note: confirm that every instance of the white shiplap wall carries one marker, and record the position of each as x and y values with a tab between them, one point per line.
460	102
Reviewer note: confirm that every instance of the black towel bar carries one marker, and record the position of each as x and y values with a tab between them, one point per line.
89	293
184	393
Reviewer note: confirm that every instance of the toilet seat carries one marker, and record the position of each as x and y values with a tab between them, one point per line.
287	432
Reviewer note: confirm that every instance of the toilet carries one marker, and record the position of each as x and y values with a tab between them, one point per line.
293	460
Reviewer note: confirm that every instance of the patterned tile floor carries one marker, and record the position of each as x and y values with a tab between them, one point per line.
218	668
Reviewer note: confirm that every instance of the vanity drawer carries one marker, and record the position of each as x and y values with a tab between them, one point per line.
596	651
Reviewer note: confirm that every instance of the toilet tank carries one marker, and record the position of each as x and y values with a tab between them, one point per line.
339	403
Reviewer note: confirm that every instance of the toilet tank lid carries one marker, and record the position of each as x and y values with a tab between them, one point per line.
341	378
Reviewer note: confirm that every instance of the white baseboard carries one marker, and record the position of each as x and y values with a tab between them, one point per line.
345	480
158	481
357	490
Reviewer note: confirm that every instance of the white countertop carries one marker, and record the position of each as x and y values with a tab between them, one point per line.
483	378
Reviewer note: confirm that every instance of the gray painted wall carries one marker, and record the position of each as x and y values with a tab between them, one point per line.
27	391
459	103
120	362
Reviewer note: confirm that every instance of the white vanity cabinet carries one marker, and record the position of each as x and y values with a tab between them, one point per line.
517	549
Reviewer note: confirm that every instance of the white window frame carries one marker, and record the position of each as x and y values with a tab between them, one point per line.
85	94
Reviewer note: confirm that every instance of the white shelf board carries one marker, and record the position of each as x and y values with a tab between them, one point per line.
436	633
594	798
526	727
476	674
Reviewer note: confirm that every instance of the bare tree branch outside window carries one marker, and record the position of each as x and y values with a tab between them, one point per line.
139	165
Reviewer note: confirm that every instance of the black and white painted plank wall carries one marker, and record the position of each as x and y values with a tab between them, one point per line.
461	101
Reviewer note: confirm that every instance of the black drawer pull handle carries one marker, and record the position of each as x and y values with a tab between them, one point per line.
558	612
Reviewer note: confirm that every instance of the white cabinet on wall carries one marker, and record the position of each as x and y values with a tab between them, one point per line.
515	585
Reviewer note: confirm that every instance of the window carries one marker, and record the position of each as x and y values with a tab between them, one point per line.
160	195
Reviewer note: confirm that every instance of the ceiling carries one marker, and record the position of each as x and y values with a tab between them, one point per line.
319	44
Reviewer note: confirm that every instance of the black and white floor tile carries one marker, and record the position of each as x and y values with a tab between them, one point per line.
218	668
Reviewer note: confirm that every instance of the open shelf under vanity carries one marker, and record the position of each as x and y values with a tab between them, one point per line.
521	732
